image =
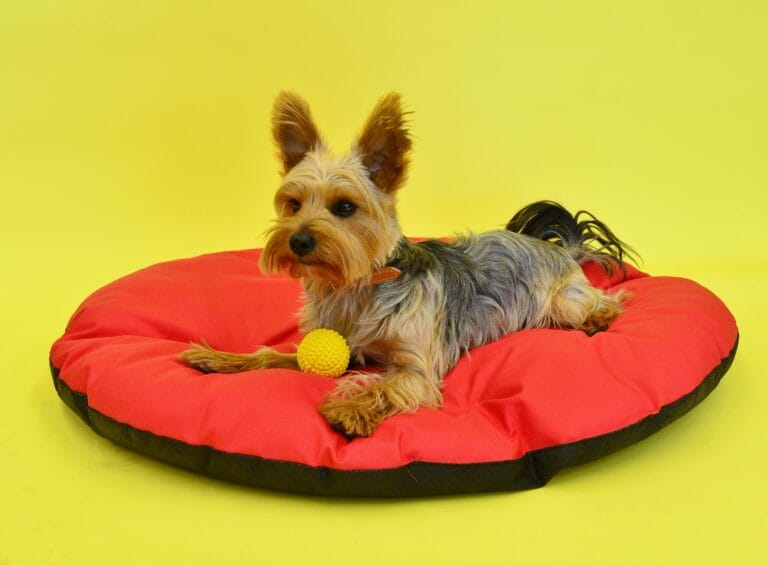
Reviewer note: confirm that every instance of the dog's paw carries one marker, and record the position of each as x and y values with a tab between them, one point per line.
201	357
353	417
208	360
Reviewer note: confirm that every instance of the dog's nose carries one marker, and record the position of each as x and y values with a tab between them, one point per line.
302	243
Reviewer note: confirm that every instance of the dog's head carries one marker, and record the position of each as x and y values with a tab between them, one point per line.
336	218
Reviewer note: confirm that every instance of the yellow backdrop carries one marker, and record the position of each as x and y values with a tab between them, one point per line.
134	132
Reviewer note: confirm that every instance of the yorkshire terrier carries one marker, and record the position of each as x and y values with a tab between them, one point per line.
412	308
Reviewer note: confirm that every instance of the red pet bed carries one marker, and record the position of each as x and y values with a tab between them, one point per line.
515	412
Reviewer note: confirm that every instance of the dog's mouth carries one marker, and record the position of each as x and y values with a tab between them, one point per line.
309	262
311	268
306	263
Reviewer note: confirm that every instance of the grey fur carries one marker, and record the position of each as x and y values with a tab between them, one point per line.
465	293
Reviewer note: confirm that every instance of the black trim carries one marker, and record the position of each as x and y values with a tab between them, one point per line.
533	470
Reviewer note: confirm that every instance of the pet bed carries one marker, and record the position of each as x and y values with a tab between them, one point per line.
515	411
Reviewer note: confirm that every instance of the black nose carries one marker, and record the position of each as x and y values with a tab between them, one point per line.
302	243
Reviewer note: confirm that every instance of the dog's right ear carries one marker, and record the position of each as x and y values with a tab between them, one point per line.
293	129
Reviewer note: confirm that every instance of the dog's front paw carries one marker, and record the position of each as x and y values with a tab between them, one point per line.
208	360
203	358
357	416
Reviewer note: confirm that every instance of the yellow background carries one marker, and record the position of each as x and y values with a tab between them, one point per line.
135	132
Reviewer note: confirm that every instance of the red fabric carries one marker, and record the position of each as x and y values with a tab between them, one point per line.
527	391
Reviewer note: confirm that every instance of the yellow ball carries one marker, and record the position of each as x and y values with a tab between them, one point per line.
323	352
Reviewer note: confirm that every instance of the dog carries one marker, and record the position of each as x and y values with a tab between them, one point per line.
412	308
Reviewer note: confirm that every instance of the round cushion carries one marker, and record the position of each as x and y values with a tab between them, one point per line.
515	411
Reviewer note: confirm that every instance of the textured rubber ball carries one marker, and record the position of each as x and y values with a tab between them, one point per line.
323	352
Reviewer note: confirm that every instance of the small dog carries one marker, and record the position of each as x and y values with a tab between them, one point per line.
412	308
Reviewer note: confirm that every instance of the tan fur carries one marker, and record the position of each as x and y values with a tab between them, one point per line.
347	247
385	143
413	360
204	357
361	402
293	129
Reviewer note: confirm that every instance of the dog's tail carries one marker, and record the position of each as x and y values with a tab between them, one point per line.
585	237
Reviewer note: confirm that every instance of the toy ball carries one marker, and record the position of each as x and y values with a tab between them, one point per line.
323	352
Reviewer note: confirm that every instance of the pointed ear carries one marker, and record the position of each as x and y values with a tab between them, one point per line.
293	129
384	144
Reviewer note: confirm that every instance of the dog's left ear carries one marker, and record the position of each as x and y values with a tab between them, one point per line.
385	143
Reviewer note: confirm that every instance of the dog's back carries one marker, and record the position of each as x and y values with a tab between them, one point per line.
485	285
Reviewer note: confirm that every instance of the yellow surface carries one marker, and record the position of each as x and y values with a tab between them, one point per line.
134	132
324	352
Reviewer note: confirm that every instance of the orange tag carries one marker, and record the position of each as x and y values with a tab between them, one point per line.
385	274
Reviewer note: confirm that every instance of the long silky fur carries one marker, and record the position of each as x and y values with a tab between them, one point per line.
584	236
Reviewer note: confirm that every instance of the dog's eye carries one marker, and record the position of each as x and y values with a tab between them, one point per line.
343	208
294	204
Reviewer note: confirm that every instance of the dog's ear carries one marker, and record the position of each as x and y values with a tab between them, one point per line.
384	144
293	129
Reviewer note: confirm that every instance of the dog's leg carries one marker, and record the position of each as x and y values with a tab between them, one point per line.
578	305
361	402
208	360
606	310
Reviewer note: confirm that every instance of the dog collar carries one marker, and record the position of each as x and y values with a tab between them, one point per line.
384	274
